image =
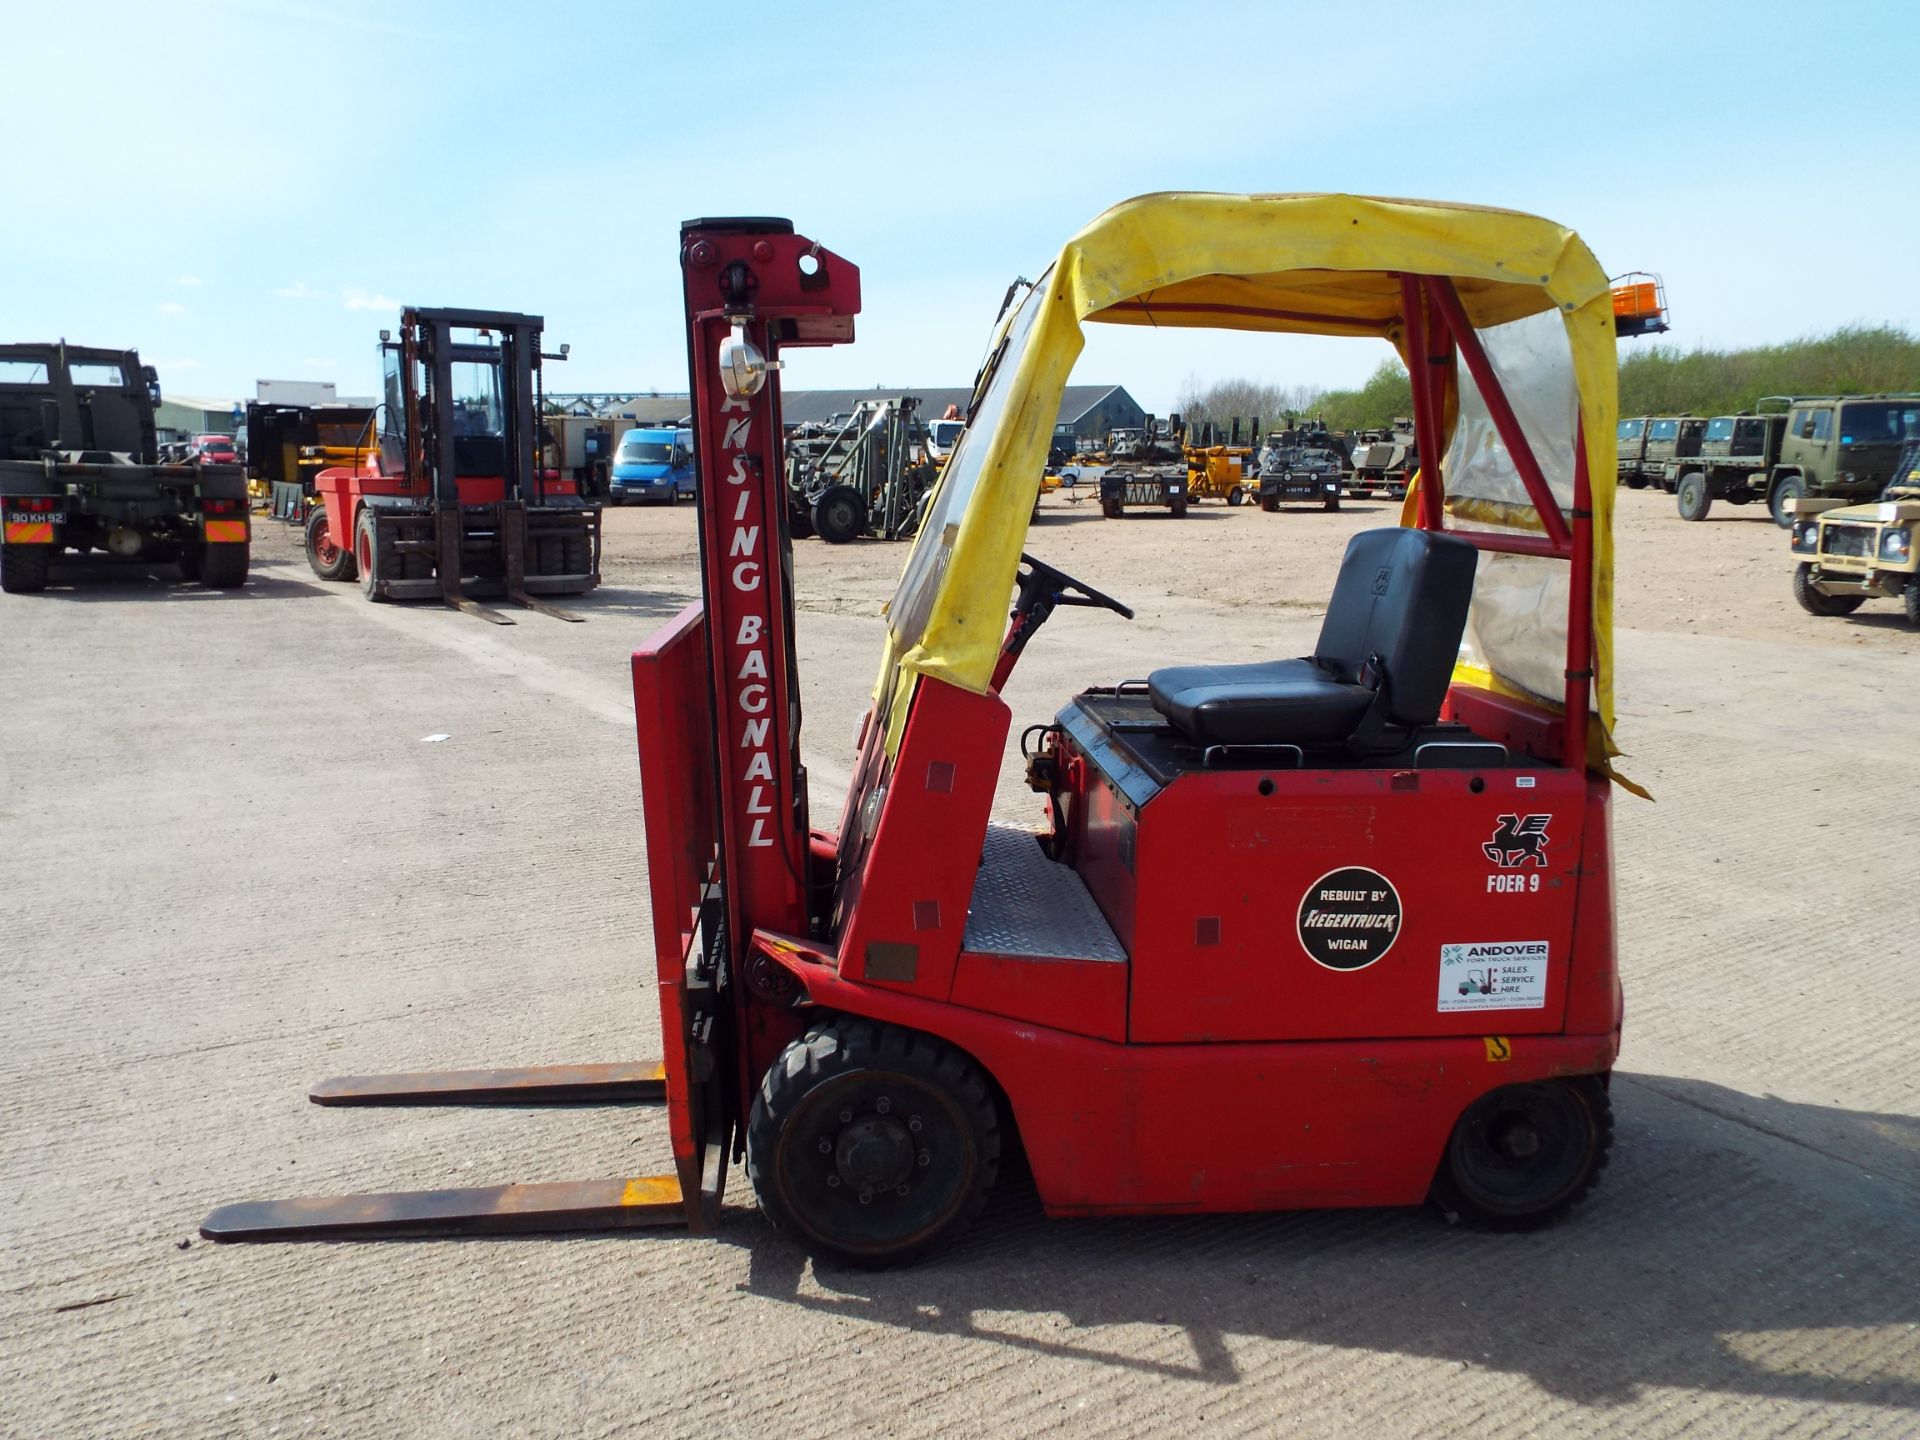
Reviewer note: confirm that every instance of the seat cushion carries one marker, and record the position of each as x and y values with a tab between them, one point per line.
1276	702
1402	595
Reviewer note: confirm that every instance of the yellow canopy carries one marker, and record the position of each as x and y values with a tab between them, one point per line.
1314	264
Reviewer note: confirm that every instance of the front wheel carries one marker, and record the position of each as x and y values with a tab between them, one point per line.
1815	602
870	1144
1522	1156
1236	496
1786	493
839	515
368	557
1692	497
1910	599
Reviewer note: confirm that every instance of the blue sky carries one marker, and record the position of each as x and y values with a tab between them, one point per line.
248	188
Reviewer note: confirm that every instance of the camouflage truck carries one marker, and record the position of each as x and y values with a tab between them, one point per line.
1848	554
1823	447
1648	444
80	471
1383	460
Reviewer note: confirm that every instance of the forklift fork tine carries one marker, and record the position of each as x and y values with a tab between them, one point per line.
627	1082
520	597
615	1204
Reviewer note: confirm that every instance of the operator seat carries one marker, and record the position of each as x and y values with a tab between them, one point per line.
1384	659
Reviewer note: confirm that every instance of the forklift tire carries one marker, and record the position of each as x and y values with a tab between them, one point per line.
576	555
1236	496
870	1143
218	567
1692	496
23	568
839	515
329	561
1521	1156
373	557
1786	491
1815	603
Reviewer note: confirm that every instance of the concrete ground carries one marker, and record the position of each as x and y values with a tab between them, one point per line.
234	863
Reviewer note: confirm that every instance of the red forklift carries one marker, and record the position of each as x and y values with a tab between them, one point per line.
454	500
1395	979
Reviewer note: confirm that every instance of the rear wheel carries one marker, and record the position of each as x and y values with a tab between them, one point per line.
23	568
870	1144
1910	600
839	515
1692	497
1521	1156
221	566
1786	493
1815	603
330	559
1236	496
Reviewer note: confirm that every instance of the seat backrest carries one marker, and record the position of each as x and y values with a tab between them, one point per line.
1402	595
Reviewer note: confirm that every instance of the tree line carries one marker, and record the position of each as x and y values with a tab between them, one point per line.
1654	380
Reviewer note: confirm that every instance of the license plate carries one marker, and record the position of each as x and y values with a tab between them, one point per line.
36	517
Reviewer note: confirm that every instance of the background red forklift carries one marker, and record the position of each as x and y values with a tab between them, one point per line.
454	498
1419	806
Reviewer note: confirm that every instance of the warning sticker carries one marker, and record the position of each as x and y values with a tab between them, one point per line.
1494	975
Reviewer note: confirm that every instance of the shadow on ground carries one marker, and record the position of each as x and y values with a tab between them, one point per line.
1658	1280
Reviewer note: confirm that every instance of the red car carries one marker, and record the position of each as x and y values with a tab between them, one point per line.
216	449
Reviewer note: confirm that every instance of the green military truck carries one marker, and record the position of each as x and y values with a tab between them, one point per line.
1649	443
1848	554
80	470
1824	447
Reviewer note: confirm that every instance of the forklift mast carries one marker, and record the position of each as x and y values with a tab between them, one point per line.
425	356
754	287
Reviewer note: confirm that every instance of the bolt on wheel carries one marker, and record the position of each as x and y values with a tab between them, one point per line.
870	1143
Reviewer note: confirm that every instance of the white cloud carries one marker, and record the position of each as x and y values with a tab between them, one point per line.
171	307
190	281
298	290
361	300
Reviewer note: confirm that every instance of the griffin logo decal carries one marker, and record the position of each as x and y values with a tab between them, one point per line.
1518	840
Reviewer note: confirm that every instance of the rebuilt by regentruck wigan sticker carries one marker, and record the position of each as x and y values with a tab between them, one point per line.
1349	918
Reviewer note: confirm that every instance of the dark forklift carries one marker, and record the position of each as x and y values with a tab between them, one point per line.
452	498
80	470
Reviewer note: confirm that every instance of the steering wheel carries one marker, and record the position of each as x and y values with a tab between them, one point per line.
1039	581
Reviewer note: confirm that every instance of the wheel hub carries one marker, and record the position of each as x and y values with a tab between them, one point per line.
874	1153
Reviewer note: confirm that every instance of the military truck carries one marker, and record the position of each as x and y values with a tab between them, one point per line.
1302	464
1648	444
1823	447
1848	554
80	470
1735	463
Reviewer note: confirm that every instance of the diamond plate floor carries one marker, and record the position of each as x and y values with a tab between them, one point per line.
1025	904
